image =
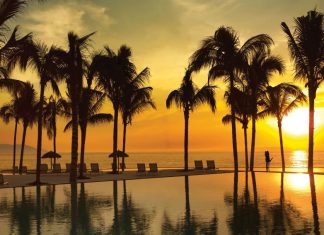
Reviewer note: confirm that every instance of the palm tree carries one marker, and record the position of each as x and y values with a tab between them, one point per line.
225	58
91	101
262	65
279	101
306	46
27	106
73	64
43	60
52	109
114	73
10	110
188	97
241	101
135	100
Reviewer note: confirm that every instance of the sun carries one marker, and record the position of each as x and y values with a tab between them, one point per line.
296	123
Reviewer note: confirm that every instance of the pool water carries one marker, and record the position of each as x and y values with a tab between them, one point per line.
260	203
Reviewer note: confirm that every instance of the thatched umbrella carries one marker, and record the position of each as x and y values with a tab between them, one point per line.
118	154
52	155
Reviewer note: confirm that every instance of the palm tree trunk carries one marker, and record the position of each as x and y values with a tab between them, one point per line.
115	138
83	140
283	165
246	150
74	146
39	131
253	142
14	147
311	132
54	139
233	121
124	145
22	148
186	137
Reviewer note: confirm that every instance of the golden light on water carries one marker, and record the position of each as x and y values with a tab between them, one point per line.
298	182
299	160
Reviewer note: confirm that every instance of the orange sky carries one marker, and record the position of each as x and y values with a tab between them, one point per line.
163	34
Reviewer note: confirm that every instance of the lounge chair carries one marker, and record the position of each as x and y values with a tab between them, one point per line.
199	165
141	168
94	168
16	169
24	169
211	165
153	167
57	168
68	167
121	165
2	182
43	168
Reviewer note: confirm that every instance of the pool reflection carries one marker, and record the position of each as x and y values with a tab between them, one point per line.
241	203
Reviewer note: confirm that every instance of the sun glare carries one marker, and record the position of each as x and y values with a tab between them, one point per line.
296	123
298	182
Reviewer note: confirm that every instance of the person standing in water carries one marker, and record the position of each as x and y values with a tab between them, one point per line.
267	160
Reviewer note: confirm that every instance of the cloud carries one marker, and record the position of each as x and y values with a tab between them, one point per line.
50	23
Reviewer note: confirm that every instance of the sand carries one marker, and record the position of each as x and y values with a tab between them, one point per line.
63	178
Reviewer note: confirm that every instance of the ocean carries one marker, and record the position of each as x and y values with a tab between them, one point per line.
295	160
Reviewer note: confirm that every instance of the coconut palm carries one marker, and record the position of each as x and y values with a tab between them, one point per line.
27	106
188	97
261	67
135	100
241	101
43	60
114	72
91	101
73	64
52	109
279	101
225	57
306	46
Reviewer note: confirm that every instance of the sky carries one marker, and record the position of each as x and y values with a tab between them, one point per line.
163	34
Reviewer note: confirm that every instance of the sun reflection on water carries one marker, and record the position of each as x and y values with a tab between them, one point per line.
298	182
299	160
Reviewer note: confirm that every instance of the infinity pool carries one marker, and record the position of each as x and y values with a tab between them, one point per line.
264	203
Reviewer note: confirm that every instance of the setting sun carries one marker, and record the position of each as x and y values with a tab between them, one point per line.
296	123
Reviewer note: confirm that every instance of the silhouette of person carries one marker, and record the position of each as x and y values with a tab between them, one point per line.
267	160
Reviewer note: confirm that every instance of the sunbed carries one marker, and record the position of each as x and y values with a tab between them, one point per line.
141	168
94	168
199	165
43	168
2	182
57	168
153	167
211	165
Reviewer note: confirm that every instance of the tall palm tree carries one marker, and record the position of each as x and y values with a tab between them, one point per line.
91	101
259	70
306	46
52	109
73	64
114	73
43	60
188	97
10	110
27	106
279	101
135	100
241	100
225	57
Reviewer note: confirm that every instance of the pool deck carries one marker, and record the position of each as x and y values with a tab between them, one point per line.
63	178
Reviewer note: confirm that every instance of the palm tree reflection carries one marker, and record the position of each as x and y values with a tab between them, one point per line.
129	219
190	223
263	216
314	204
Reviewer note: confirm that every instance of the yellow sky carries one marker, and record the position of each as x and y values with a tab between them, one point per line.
163	34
